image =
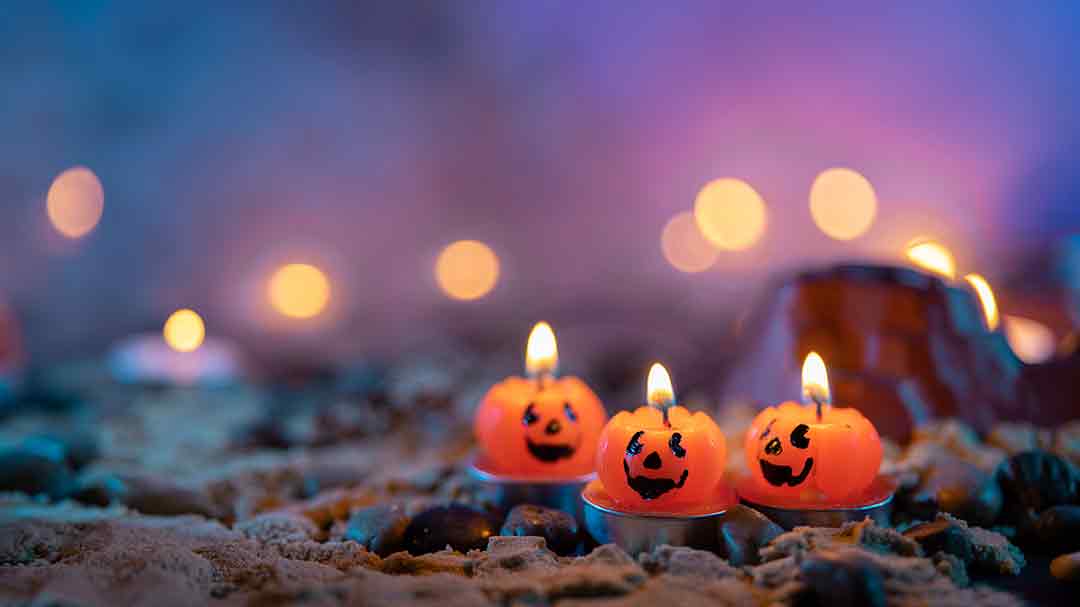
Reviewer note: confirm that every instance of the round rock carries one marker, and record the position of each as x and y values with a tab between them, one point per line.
558	528
1034	481
943	535
380	529
1057	529
460	527
1066	567
955	486
843	577
35	472
743	532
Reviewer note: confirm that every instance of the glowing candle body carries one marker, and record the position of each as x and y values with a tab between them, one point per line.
540	426
812	454
661	458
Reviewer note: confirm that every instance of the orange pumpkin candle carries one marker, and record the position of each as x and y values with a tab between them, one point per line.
661	458
540	426
812	454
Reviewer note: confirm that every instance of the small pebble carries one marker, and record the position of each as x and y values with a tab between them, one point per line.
264	433
1034	481
1066	567
959	488
1057	529
743	531
35	471
943	535
78	447
98	490
558	528
460	527
162	497
380	529
843	577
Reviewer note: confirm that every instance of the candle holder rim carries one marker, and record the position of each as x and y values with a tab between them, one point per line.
480	472
886	483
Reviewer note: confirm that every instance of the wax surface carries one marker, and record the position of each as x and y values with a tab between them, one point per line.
646	466
539	429
796	458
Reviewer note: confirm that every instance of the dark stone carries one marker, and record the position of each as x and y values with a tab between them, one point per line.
959	488
945	536
743	531
1057	530
558	528
1066	567
99	490
1034	481
380	529
35	470
265	433
842	577
162	497
78	447
460	527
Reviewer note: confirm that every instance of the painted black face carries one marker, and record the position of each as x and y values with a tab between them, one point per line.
550	429
778	475
649	487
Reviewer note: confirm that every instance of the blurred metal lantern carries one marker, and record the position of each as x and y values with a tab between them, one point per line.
903	347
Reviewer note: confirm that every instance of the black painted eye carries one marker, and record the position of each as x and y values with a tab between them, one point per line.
634	446
799	440
774	447
569	411
675	445
530	416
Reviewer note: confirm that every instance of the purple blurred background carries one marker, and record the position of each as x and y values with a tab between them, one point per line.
365	137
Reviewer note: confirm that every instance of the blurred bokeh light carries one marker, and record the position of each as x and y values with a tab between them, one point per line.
931	256
75	202
1032	341
730	213
467	270
684	246
842	203
363	137
986	299
184	330
299	290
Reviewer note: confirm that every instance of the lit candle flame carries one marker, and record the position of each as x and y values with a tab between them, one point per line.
986	298
815	381
932	257
658	390
541	352
658	387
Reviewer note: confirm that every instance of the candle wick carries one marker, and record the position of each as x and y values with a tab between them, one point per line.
542	380
817	401
664	408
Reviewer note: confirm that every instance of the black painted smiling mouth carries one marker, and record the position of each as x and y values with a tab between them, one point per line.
779	476
550	453
652	488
